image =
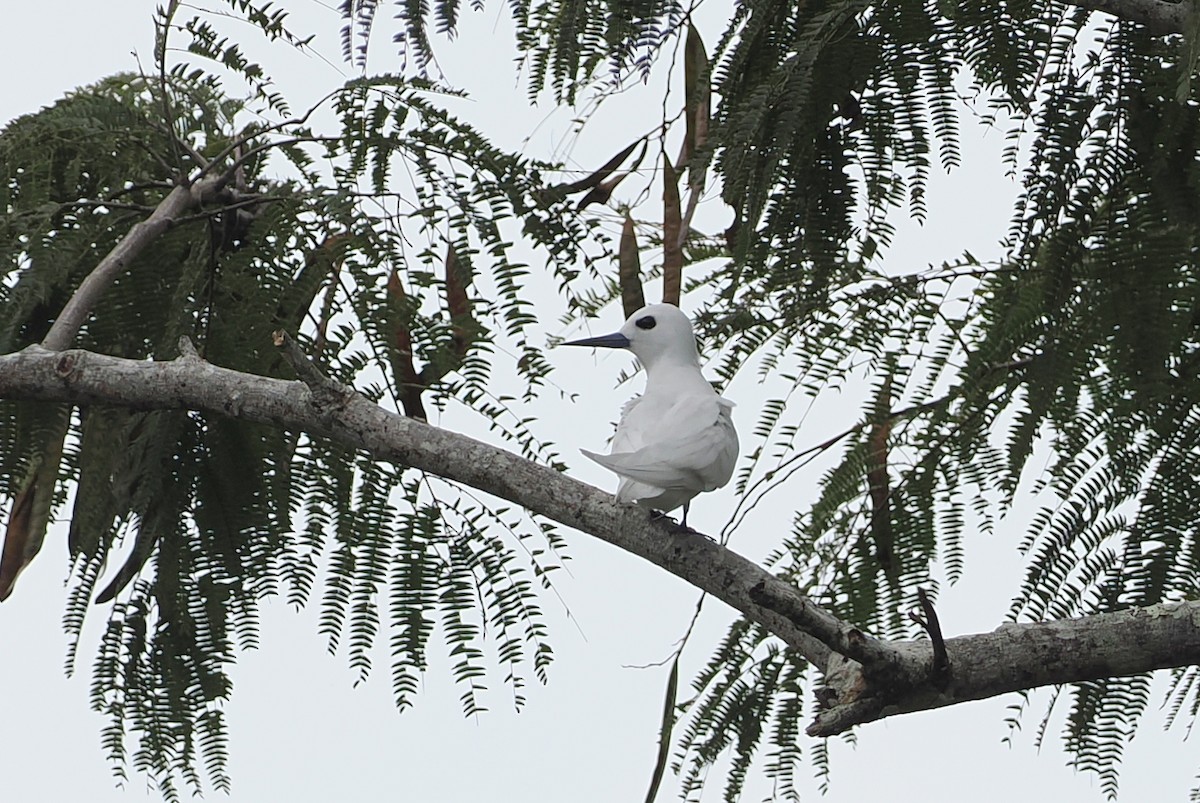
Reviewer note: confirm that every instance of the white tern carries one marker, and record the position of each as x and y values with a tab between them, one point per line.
676	439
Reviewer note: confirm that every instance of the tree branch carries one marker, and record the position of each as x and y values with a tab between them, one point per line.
1015	657
865	678
180	200
1161	17
84	377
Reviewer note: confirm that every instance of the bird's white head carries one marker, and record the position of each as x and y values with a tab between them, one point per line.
657	334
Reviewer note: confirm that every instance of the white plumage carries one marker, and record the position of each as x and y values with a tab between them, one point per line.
677	439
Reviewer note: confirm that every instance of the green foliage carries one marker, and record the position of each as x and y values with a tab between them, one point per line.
1077	351
1080	344
210	516
566	42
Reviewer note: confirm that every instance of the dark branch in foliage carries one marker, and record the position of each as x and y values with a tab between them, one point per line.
928	619
1159	16
599	185
408	382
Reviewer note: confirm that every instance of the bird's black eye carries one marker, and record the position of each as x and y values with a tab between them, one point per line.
646	322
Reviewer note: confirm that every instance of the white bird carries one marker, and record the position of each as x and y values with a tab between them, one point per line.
676	439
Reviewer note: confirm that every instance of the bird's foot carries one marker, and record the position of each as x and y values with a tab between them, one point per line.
658	515
678	527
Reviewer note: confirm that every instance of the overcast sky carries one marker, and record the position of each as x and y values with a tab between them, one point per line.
301	731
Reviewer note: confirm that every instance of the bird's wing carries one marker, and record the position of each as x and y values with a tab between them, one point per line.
626	438
694	447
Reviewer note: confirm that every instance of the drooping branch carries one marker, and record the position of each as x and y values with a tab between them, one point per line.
865	678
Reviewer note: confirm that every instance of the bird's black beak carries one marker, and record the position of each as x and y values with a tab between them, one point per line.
614	341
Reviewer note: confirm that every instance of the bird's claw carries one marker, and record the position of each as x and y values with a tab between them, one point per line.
677	527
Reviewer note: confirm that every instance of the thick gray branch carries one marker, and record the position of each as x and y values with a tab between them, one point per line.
82	377
865	678
1021	656
1160	16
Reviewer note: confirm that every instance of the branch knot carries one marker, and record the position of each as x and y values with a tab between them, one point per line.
67	366
327	395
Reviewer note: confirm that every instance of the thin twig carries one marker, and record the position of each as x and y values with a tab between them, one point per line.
270	129
248	202
197	157
160	56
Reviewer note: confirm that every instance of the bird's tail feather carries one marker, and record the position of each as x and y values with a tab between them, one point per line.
630	465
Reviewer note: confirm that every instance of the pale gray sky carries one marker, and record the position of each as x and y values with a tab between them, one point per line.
301	732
